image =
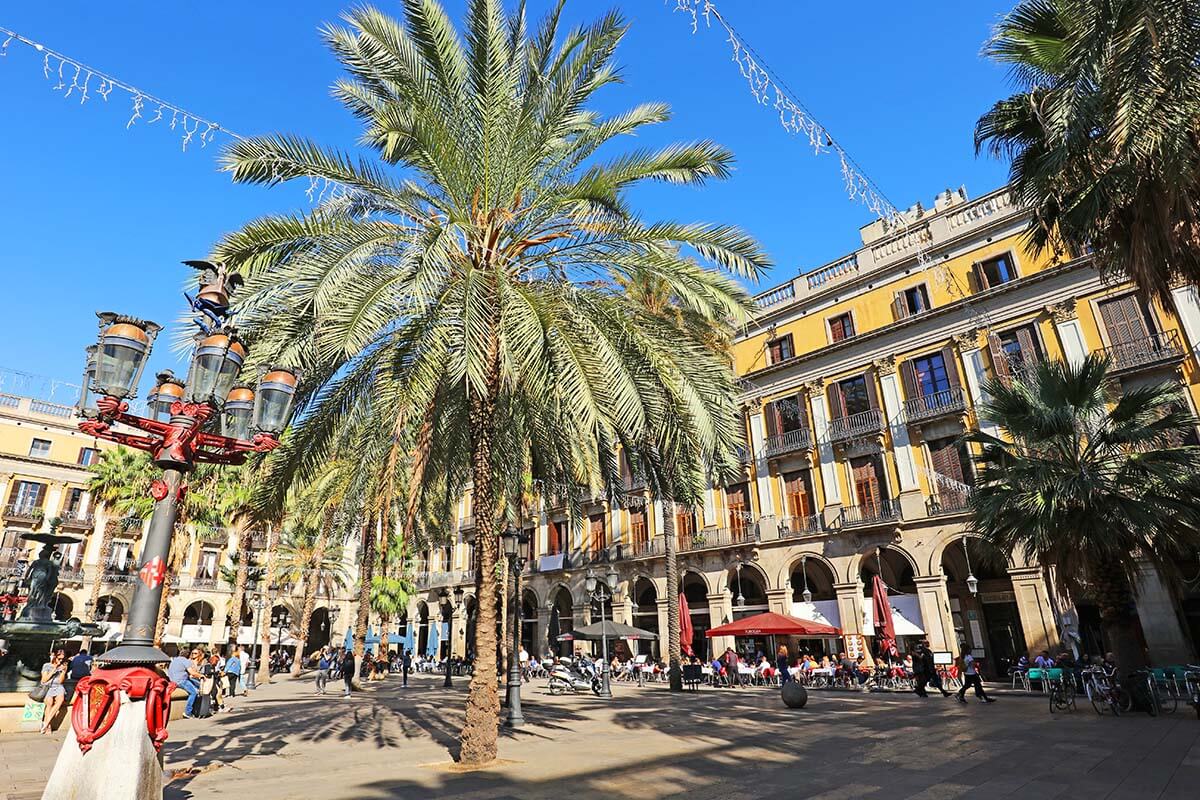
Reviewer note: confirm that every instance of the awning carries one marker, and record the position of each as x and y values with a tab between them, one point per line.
906	616
606	630
771	624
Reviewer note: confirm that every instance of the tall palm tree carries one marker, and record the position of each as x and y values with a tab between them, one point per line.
274	535
121	477
1089	478
309	557
475	295
235	505
1103	132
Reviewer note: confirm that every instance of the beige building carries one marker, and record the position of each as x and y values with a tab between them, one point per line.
857	379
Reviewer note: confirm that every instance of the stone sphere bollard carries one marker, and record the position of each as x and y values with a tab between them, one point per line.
794	695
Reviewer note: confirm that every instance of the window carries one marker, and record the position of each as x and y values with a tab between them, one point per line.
786	414
995	271
1125	320
929	374
555	530
638	534
122	559
528	545
797	494
780	349
952	466
841	327
739	513
40	448
596	534
27	496
207	566
868	480
910	302
685	525
88	456
855	396
1015	351
447	558
74	505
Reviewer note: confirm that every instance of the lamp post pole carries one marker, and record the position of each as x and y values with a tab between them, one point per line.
602	591
512	541
259	604
449	641
178	435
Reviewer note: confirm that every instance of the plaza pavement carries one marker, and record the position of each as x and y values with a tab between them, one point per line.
390	742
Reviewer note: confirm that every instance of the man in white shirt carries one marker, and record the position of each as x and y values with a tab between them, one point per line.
971	678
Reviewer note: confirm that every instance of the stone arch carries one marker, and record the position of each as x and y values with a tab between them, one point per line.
821	577
63	606
110	608
726	580
791	564
948	537
684	573
199	612
855	566
554	590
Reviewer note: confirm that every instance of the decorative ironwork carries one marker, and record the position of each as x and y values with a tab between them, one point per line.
1154	350
787	442
800	526
869	514
855	426
935	404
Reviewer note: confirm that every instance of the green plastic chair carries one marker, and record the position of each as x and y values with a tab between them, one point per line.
1036	674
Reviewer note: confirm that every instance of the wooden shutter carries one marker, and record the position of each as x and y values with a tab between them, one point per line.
1029	348
899	309
798	495
872	394
951	361
944	457
554	536
999	362
596	529
837	403
836	331
908	377
771	419
637	527
866	482
1123	320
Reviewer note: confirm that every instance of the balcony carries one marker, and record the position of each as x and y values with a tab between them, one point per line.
856	426
647	548
787	442
202	583
790	527
75	518
467	523
115	577
212	535
871	514
1155	350
948	502
72	575
24	512
13	560
710	538
932	406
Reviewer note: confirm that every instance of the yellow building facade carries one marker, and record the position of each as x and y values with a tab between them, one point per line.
857	380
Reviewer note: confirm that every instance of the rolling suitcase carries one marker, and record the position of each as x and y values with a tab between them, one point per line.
203	706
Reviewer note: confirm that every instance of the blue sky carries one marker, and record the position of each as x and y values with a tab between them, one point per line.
94	216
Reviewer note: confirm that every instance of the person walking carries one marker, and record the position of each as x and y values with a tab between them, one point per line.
348	673
233	670
781	664
406	664
931	671
971	678
323	660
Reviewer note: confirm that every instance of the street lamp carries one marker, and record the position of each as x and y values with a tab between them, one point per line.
972	581
806	594
740	600
444	596
280	618
512	540
601	591
177	434
258	604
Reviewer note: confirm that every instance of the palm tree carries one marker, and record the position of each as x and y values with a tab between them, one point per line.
309	558
120	480
476	295
1103	131
274	528
1089	478
235	505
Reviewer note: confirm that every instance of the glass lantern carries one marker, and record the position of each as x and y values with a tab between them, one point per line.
215	366
238	412
121	354
167	392
274	400
85	407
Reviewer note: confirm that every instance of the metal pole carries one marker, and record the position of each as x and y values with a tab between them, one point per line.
442	643
515	718
137	646
605	687
251	683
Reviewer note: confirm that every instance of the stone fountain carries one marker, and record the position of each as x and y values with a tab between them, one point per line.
28	637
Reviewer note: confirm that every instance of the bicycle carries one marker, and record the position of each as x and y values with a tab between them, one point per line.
1156	701
1104	693
1062	689
1191	684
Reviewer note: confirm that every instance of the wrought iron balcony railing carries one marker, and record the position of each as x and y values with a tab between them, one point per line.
937	404
947	502
642	548
77	519
24	512
800	526
718	537
856	426
787	442
1152	351
884	510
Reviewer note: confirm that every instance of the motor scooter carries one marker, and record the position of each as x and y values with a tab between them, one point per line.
575	678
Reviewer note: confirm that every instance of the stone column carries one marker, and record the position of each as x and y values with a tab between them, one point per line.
850	606
661	646
780	600
616	523
912	502
1037	614
53	506
1070	332
831	490
720	611
1187	309
934	602
762	471
974	373
1165	638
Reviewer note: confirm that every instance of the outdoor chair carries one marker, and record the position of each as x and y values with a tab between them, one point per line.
1019	676
693	674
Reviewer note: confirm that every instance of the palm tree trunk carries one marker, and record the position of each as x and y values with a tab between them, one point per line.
233	619
385	534
311	584
1118	619
106	545
366	572
273	531
675	674
479	732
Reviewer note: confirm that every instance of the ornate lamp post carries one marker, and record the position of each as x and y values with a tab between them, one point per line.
258	603
601	591
178	433
279	619
445	603
512	539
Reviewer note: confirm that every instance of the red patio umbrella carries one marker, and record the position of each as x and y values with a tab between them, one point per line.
686	631
770	623
881	618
